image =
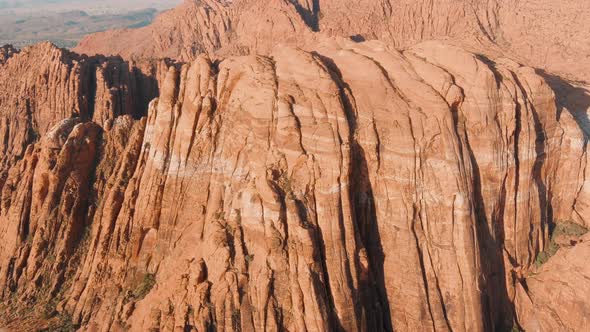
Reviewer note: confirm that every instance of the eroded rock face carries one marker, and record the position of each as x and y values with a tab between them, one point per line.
537	32
563	279
205	26
44	202
354	187
219	27
42	85
250	26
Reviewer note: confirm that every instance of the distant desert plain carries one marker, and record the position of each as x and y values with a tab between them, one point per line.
65	22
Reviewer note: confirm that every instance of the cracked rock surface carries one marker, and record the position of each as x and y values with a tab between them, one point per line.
352	187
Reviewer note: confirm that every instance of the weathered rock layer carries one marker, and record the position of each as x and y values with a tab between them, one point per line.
537	32
352	188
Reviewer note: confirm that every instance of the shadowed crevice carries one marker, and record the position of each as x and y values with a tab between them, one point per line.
572	98
373	307
311	16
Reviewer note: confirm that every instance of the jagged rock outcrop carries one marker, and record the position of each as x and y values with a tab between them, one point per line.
44	202
42	85
354	188
47	165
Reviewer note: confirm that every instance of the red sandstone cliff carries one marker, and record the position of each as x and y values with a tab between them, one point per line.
539	32
340	186
354	188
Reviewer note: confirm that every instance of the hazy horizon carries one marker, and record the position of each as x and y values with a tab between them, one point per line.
65	22
91	6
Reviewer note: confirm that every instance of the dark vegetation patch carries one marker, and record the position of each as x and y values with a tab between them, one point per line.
144	287
562	234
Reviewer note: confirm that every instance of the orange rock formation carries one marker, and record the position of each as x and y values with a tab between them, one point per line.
323	184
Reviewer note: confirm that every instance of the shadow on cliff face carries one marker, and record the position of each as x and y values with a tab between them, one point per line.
131	88
357	38
496	305
372	293
540	156
147	89
497	309
574	99
373	307
491	233
310	16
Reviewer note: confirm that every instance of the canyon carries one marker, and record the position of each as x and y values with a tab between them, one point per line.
373	165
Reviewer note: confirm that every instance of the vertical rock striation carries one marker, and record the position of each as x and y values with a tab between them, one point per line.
354	187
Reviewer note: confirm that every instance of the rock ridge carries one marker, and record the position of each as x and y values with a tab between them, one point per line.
528	31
